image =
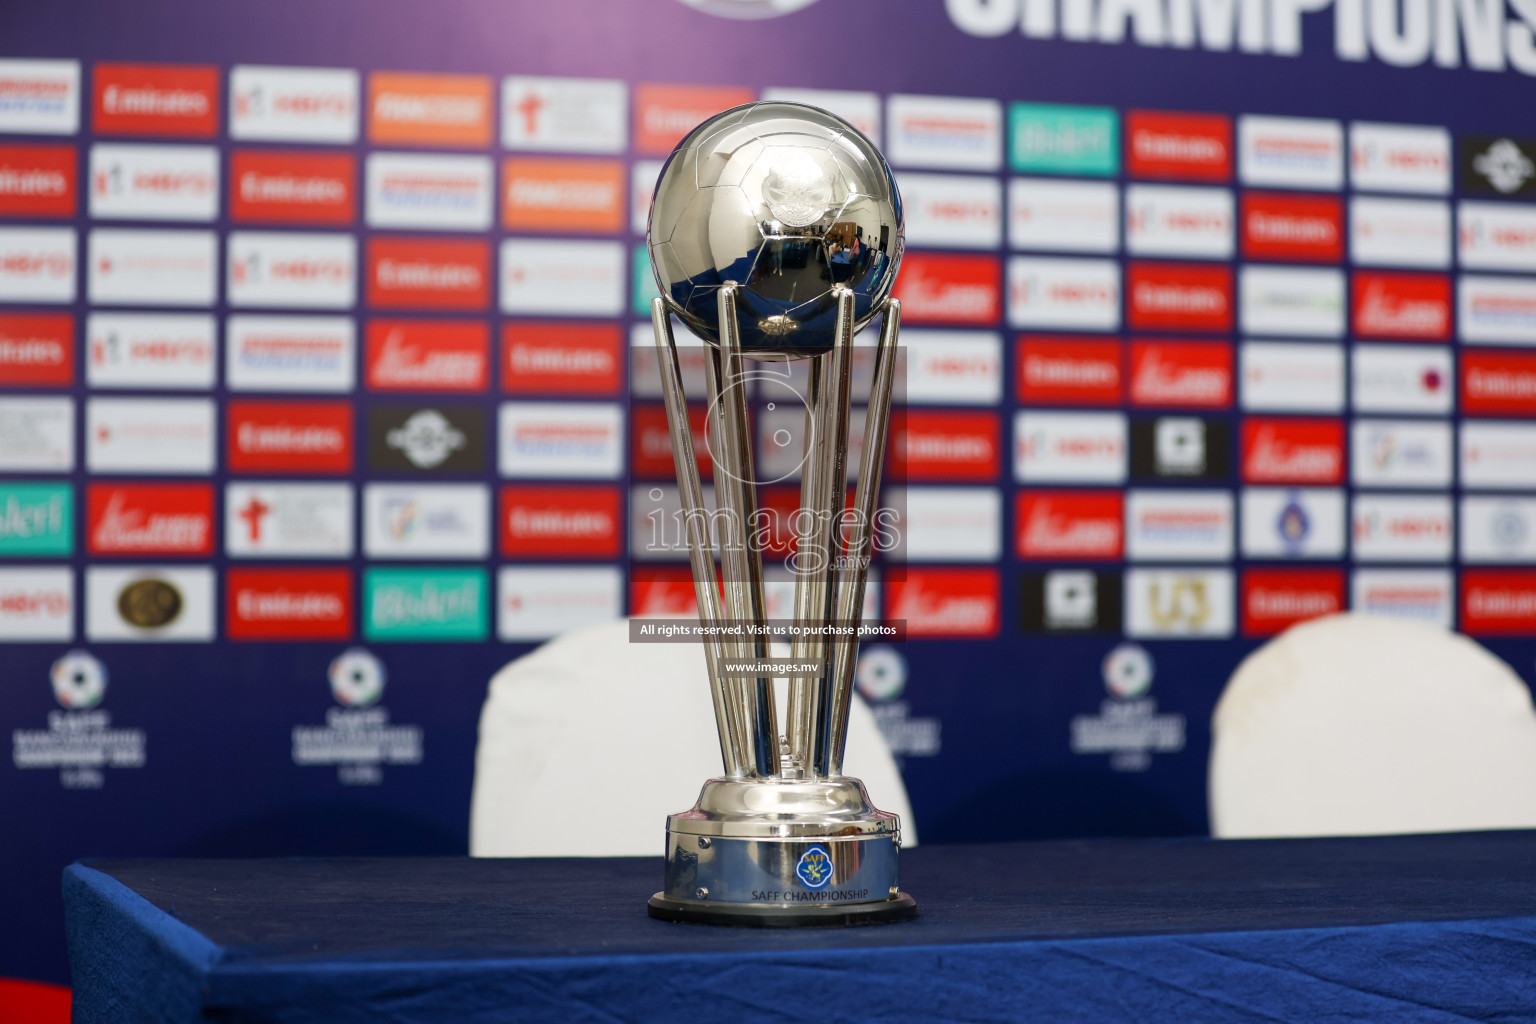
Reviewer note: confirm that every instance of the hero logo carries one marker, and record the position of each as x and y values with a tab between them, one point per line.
952	368
37	181
1073	293
1189	374
1276	599
1393	528
1168	220
1070	371
1402	306
174	519
945	210
1286	227
150	350
281	104
1193	146
1399	158
39	605
544	521
1285	451
956	603
1496	310
299	437
1498	383
154	182
37	349
37	265
1069	447
555	358
1496	236
292	187
1175	296
945	445
1498	602
427	355
308	271
949	289
1070	525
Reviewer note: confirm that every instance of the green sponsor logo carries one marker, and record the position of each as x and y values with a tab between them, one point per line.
1058	139
37	519
644	282
425	604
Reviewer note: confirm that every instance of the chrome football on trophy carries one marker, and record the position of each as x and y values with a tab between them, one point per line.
775	235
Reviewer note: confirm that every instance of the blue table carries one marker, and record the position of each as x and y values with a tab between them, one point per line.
1418	928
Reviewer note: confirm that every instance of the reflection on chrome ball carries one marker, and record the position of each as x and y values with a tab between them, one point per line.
787	201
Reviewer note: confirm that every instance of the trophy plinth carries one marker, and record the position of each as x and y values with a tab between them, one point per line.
776	234
787	853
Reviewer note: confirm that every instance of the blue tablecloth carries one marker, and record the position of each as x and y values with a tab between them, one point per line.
1418	928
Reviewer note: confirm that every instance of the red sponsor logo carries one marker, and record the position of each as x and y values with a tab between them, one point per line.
662	591
665	113
1287	227
37	349
1190	146
1497	602
428	273
937	288
145	519
1283	451
1186	374
1180	296
929	445
284	186
554	358
37	181
1070	524
561	522
1070	371
650	454
155	99
289	604
946	602
1498	383
1415	306
1276	599
428	355
293	437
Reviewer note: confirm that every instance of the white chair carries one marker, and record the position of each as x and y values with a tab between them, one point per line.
1359	725
589	742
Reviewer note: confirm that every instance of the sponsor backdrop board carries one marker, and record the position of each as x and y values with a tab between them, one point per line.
315	407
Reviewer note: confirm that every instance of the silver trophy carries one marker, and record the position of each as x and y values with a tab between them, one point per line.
776	234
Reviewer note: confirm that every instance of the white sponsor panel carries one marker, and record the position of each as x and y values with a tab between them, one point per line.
860	109
426	521
1283	376
171	351
1399	232
1069	447
1290	152
1496	236
536	603
944	133
1065	216
40	97
561	440
1303	302
151	435
1496	310
643	175
564	115
1293	522
1193	603
1426	595
288	520
1170	525
435	191
289	353
152	268
37	265
300	269
1172	220
1498	455
37	605
953	524
37	435
950	368
1072	293
160	603
154	182
1400	453
578	278
958	211
1498	530
1402	378
286	104
1402	528
1399	158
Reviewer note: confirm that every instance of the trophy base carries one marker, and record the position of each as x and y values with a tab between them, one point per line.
776	853
900	907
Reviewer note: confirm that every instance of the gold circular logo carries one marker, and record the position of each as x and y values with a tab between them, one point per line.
149	604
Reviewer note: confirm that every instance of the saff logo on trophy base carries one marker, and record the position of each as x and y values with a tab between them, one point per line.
776	234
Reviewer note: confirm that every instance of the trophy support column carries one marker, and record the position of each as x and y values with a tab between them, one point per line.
778	853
